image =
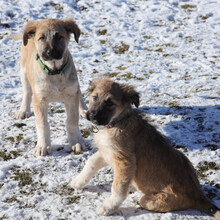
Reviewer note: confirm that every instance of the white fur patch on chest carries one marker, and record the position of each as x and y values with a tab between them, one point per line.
104	143
102	139
55	88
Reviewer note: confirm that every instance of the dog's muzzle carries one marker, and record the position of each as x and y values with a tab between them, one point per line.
52	54
91	116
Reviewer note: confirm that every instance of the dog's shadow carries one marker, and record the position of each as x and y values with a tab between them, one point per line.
194	127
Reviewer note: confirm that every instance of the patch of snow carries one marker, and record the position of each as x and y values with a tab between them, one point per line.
169	50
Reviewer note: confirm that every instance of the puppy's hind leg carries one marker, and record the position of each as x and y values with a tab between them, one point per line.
94	163
165	202
25	109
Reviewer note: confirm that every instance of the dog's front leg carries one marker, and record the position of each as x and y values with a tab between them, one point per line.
76	141
43	130
25	109
94	163
124	170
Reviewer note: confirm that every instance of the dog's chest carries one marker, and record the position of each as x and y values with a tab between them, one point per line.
56	87
105	145
59	84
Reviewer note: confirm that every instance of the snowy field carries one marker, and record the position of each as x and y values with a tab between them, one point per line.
168	49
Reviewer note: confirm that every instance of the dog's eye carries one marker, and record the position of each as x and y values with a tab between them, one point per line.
109	102
94	98
42	38
58	37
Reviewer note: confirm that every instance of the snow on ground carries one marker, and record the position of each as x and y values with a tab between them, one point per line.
169	50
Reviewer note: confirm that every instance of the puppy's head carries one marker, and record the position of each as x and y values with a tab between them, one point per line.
110	100
51	36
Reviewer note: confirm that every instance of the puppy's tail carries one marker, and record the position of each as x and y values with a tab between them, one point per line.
16	36
205	205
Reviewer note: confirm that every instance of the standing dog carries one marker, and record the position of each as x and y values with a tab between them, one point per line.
48	72
139	155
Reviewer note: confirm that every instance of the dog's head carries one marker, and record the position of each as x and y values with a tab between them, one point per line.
51	36
110	100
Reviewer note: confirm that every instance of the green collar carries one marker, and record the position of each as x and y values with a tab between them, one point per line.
48	70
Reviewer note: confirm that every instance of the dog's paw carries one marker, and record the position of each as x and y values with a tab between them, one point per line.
23	114
78	147
83	113
76	183
41	150
104	210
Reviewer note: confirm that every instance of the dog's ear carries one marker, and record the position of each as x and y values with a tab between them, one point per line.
130	95
72	27
29	31
91	87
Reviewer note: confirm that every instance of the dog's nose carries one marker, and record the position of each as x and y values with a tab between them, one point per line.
91	116
51	52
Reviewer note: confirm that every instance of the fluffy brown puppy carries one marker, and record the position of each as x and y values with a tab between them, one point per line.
139	155
48	73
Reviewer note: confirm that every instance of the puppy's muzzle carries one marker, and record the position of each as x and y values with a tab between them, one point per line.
91	116
51	53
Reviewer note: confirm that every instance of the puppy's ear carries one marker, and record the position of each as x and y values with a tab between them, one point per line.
29	31
130	95
91	87
72	27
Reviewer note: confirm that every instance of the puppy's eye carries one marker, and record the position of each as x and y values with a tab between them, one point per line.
42	38
94	98
109	102
58	37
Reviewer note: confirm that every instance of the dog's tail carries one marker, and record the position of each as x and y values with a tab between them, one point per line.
205	205
16	36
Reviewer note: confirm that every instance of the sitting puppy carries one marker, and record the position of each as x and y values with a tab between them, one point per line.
139	155
48	72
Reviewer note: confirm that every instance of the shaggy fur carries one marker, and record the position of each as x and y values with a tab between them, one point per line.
139	155
49	39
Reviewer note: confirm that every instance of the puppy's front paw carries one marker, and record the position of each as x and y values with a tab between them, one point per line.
78	147
77	183
83	113
23	114
42	150
104	210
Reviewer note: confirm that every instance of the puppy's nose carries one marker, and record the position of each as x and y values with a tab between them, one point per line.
51	52
91	116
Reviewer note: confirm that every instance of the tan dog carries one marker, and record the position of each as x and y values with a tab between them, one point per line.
48	72
139	155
